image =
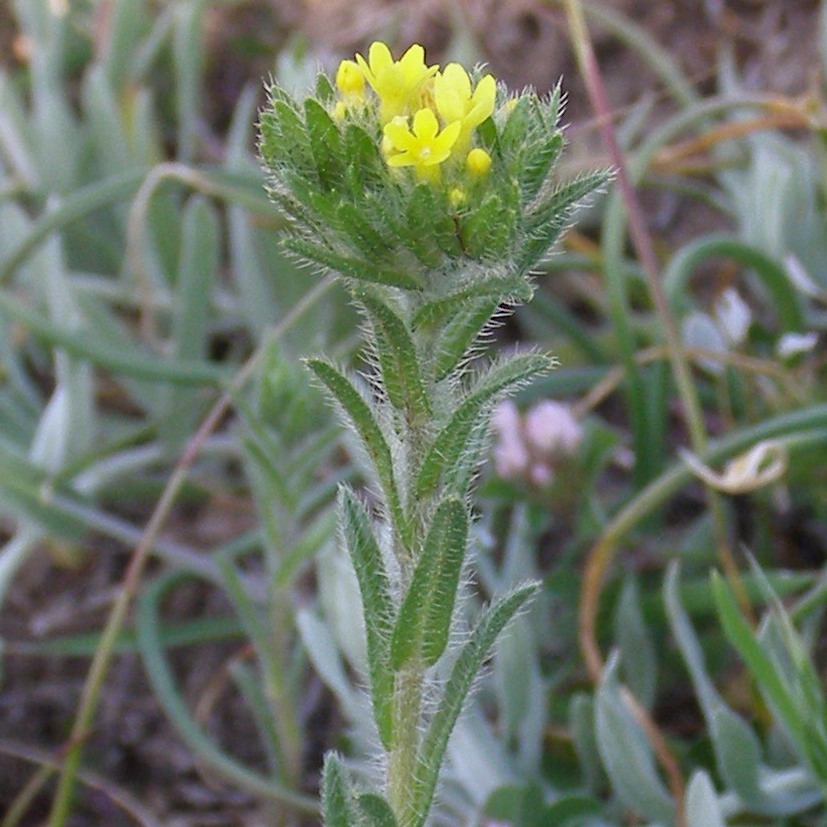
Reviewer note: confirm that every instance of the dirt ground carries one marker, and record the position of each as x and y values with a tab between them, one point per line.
525	42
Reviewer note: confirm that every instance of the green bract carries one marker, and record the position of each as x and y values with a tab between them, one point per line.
432	195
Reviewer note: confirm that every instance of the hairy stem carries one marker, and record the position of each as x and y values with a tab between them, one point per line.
407	705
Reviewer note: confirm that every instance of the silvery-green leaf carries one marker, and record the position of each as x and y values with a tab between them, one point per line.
521	692
626	753
702	808
699	331
637	653
584	740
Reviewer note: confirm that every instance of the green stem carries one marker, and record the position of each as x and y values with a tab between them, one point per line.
407	704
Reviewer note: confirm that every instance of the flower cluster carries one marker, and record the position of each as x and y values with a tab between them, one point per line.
428	116
530	446
398	173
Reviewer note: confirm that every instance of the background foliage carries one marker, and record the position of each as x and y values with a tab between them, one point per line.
167	473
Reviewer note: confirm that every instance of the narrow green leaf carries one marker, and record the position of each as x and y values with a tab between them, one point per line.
459	334
542	145
505	290
337	799
353	268
126	31
374	811
425	615
324	88
148	624
325	144
364	236
188	55
110	150
283	133
119	360
397	358
551	217
377	607
740	635
361	417
738	754
737	749
488	229
25	491
365	164
197	273
465	669
451	441
420	213
539	160
514	132
584	741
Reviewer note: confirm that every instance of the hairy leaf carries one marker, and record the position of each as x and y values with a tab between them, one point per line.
376	605
374	811
451	441
353	268
362	419
459	333
337	799
465	669
397	358
425	615
325	143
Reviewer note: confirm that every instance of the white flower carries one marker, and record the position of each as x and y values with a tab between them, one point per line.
733	316
551	428
764	463
700	331
510	453
791	344
528	447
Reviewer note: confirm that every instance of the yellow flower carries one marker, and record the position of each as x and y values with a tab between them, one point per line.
455	101
400	84
423	146
350	81
477	163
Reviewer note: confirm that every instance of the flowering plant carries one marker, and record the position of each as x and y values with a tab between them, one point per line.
430	192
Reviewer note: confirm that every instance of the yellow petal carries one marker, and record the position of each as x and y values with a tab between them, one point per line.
452	93
482	102
425	125
398	134
380	57
349	79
